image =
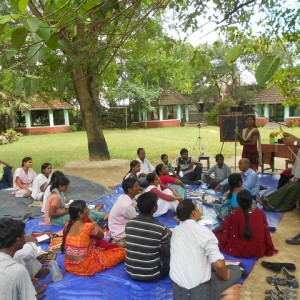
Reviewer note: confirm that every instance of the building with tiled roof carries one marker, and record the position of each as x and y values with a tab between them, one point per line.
269	106
170	109
44	117
54	104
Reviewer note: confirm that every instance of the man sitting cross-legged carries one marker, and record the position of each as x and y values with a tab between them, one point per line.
191	169
122	211
220	171
147	242
15	282
249	177
194	252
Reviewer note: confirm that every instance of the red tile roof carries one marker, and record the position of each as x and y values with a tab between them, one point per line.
172	98
268	96
54	104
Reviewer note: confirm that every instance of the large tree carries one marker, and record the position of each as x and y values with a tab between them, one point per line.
75	40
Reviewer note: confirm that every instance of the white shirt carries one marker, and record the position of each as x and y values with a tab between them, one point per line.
38	181
193	249
45	197
27	257
146	166
122	211
15	282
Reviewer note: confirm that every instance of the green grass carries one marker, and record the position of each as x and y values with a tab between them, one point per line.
61	148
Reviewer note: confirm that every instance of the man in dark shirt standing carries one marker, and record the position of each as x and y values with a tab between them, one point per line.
147	243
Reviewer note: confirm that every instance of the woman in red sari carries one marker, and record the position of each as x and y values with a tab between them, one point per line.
250	139
245	232
85	251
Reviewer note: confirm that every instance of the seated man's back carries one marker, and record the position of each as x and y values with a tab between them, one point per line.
147	244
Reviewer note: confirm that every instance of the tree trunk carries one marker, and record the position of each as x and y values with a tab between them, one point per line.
97	146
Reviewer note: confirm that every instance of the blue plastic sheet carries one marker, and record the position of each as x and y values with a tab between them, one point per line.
114	284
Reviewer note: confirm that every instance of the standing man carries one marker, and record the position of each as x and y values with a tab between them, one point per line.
147	243
194	251
191	169
249	176
146	167
15	282
291	140
221	171
122	211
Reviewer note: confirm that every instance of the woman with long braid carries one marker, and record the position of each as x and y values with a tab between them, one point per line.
85	251
229	204
245	232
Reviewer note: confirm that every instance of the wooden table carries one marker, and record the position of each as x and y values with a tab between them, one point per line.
269	151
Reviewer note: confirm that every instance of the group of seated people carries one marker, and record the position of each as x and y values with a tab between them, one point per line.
190	253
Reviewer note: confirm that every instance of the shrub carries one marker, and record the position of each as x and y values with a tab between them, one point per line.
9	136
220	108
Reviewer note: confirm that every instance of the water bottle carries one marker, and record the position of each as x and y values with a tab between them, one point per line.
55	271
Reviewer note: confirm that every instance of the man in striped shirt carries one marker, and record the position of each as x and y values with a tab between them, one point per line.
147	242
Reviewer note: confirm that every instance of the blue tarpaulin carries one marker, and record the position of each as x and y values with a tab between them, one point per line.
114	283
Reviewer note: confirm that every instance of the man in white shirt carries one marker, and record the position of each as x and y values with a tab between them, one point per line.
27	257
15	282
194	251
146	167
122	211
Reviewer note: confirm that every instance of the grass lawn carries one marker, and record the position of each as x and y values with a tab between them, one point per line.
61	148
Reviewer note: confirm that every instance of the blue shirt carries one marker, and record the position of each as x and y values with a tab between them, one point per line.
250	182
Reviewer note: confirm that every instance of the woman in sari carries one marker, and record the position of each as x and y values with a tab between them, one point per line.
85	251
41	182
229	204
250	139
56	212
23	178
245	232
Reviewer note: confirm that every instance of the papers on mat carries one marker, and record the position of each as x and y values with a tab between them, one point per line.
232	262
43	237
40	251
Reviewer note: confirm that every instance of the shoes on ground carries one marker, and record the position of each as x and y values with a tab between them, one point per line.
294	240
276	267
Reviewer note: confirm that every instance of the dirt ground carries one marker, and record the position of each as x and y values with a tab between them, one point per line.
111	173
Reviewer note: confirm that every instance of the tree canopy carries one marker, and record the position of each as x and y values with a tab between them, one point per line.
77	48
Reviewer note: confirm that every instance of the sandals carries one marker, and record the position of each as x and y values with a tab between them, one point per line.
278	292
275	280
278	266
290	280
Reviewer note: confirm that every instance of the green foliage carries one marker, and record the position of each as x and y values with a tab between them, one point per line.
221	108
266	69
212	117
9	136
233	54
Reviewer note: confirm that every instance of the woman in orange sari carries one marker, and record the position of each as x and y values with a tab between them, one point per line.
85	251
